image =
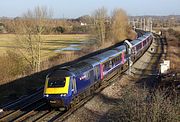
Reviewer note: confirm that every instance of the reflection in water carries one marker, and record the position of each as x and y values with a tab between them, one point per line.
73	47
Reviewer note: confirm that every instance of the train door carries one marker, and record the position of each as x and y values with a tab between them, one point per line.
74	88
92	76
96	73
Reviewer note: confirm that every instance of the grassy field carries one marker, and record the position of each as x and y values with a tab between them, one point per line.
51	43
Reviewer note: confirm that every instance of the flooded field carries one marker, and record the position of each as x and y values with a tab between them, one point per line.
52	44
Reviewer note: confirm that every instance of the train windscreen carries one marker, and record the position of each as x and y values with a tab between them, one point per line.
60	82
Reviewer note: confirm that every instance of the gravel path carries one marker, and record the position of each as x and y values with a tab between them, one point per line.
102	103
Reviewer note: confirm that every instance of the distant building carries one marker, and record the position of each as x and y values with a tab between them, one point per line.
83	24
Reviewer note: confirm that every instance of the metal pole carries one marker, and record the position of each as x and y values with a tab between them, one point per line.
151	24
144	24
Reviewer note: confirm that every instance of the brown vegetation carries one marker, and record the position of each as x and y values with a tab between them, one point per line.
173	43
137	104
28	32
11	66
120	25
108	30
99	25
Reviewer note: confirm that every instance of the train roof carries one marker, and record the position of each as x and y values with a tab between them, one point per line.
106	55
145	36
142	38
120	48
135	42
80	68
93	62
60	73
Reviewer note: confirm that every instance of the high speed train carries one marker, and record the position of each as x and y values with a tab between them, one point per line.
67	86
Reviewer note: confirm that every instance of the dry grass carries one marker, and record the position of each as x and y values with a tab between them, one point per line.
11	64
51	43
173	53
66	37
177	28
138	105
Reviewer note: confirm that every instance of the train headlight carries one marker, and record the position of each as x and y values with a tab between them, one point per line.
63	95
46	95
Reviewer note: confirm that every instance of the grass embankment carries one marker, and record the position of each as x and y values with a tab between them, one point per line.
173	43
140	105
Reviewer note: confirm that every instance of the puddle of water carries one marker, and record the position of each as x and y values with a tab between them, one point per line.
74	47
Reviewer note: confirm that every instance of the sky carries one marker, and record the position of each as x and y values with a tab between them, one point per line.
77	8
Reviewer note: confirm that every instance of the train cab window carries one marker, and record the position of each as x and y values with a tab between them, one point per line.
87	75
60	82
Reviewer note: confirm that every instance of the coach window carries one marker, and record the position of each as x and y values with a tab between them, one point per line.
135	50
110	64
120	57
117	59
113	61
126	52
105	66
139	46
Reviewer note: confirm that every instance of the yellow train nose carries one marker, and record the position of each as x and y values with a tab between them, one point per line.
57	90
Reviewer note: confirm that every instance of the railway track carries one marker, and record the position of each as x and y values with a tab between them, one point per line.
58	116
39	111
11	109
12	116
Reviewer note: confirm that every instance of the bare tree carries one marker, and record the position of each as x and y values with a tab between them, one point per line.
29	31
119	27
99	24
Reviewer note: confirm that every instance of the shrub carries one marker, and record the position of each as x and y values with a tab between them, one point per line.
59	29
12	65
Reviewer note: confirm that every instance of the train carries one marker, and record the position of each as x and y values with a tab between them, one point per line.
67	86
